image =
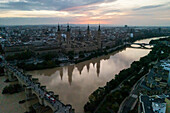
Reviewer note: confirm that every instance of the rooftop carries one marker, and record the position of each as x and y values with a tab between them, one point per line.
153	104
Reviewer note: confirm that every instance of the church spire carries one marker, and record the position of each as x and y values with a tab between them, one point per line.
88	28
58	27
99	38
88	32
59	35
68	27
99	28
68	35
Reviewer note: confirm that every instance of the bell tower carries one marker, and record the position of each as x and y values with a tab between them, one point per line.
59	34
68	35
99	37
88	31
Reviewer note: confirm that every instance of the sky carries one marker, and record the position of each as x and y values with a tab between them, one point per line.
113	12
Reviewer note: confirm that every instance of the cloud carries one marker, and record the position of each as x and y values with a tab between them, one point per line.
149	7
82	11
111	11
18	5
139	14
48	4
33	21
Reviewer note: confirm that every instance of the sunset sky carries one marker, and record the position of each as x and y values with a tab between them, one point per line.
116	12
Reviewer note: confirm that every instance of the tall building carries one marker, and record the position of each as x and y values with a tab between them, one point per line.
59	35
68	36
99	38
88	32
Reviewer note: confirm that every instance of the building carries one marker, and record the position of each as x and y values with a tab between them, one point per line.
166	66
158	79
99	38
153	104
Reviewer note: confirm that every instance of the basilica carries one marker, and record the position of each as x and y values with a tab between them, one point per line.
82	41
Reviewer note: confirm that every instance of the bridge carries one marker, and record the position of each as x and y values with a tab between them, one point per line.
33	87
142	45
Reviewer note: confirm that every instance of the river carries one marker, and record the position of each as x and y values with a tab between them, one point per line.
75	83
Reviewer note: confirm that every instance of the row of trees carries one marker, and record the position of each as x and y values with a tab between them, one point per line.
43	65
50	62
20	56
97	96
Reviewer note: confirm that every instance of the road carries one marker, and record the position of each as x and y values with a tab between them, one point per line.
129	102
115	89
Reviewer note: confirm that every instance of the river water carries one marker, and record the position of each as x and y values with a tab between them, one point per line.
75	83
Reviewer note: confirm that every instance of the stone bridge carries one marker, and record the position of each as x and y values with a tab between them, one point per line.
33	87
142	45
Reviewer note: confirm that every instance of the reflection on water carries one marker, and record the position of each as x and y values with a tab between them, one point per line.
134	45
138	46
75	83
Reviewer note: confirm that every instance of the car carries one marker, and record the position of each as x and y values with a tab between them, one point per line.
52	99
47	95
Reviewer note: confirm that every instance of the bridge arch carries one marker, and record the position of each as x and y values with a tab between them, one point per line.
48	110
40	100
35	98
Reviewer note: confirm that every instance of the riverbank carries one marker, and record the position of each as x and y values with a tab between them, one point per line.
131	74
51	64
47	64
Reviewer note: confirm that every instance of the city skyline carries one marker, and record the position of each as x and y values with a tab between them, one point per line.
115	12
